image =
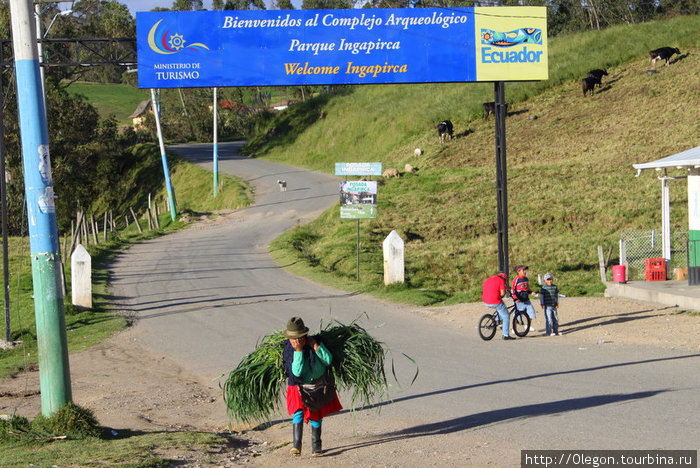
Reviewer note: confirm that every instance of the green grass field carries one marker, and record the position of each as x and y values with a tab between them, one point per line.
116	99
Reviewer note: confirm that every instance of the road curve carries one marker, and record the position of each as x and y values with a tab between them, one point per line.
205	295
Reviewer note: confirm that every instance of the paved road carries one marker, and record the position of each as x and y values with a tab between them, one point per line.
205	295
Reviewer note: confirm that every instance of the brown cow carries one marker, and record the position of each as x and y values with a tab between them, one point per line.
490	108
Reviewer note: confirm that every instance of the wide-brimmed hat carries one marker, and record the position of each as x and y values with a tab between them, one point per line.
296	328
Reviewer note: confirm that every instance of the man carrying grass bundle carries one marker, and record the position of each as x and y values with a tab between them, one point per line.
311	391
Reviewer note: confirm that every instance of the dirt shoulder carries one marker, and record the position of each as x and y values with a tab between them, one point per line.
127	387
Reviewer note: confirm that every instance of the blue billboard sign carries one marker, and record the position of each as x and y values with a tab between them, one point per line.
354	46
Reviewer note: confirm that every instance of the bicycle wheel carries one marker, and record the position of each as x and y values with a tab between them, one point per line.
487	327
521	323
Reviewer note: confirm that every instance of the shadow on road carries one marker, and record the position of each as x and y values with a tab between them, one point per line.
600	320
493	417
216	302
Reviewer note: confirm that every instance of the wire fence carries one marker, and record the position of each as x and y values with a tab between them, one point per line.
638	245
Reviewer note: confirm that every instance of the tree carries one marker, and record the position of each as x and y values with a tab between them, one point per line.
245	5
94	19
325	4
283	5
679	7
79	143
187	5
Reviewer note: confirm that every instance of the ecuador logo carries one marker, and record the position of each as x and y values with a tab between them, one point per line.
161	41
511	45
511	38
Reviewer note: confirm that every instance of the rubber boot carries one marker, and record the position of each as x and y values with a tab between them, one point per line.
297	433
316	441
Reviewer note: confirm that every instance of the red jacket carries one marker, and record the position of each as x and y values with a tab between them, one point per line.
492	287
520	289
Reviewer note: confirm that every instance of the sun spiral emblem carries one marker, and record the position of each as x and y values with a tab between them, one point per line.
162	42
177	41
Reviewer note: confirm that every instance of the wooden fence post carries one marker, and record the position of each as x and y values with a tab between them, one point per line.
136	219
155	207
94	228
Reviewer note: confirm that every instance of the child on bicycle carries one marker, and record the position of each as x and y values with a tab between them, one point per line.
549	300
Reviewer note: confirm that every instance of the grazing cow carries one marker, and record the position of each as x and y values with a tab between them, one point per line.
598	74
282	185
588	84
445	130
490	108
664	53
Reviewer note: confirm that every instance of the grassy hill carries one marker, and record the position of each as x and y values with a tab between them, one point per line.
118	100
570	181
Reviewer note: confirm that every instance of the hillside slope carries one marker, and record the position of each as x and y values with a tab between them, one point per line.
570	181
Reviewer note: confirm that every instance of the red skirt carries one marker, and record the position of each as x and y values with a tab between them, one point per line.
295	404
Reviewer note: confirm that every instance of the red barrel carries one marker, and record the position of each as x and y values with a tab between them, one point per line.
619	273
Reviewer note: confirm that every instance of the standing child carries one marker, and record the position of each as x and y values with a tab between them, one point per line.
520	291
549	300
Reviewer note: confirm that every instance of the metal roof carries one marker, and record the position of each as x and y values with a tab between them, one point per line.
686	159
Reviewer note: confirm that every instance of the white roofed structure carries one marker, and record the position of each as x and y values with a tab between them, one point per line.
685	159
689	162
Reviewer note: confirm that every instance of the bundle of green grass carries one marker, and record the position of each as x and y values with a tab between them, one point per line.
252	391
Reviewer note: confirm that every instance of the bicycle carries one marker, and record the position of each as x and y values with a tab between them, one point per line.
488	323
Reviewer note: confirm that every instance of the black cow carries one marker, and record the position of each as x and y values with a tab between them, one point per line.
490	108
588	84
598	74
664	53
445	130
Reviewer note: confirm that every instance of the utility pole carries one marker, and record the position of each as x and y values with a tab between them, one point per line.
54	372
501	175
3	205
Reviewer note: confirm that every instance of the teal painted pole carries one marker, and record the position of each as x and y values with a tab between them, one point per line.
164	158
54	372
215	164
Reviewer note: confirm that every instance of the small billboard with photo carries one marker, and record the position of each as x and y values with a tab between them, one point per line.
358	199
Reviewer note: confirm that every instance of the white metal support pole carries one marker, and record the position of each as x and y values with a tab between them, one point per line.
666	223
164	157
215	164
40	45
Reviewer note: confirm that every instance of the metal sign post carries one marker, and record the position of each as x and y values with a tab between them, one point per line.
164	158
215	163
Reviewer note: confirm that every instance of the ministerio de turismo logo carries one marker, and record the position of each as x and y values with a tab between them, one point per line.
161	41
